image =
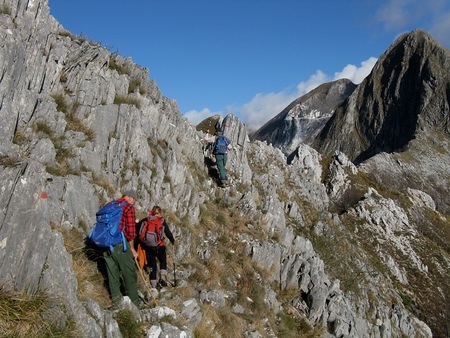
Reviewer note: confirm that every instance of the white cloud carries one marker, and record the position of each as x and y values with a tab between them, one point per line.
262	107
356	74
313	82
195	116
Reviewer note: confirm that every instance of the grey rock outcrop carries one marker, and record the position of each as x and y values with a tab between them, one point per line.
82	124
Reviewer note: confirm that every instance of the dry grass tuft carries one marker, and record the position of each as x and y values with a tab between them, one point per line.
25	315
87	264
219	322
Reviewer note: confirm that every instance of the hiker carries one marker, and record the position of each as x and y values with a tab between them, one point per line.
209	143
220	148
122	262
152	231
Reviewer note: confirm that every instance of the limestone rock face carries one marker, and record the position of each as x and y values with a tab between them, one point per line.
80	125
405	96
303	119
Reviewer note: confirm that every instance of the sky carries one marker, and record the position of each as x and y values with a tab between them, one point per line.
251	58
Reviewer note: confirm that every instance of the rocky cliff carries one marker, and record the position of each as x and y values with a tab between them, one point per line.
405	96
304	118
317	242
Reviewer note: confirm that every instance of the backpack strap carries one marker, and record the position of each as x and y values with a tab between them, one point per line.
143	229
124	240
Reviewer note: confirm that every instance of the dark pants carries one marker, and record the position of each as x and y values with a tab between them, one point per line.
118	262
152	255
221	161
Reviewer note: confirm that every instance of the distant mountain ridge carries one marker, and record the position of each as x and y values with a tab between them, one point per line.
308	245
304	117
407	93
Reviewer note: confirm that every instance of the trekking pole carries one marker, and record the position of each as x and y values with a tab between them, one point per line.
174	268
144	280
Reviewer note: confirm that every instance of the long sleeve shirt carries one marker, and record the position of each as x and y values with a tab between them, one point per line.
128	220
167	231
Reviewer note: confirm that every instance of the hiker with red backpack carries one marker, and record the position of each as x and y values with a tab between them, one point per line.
152	231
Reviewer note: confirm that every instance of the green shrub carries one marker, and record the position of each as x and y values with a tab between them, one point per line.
128	325
133	85
24	315
66	34
121	99
76	124
4	9
119	68
19	137
8	161
61	104
41	126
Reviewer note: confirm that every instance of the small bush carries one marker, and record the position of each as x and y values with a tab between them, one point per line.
24	315
20	138
66	34
134	84
61	104
76	124
63	77
119	68
4	9
41	126
407	301
121	99
105	184
128	325
8	161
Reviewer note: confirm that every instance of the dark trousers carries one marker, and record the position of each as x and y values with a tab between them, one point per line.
153	254
119	263
221	161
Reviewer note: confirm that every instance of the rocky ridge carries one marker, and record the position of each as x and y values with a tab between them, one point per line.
303	119
81	124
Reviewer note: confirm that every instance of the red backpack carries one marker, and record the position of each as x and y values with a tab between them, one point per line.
152	232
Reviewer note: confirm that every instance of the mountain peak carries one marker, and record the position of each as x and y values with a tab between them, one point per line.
407	91
300	121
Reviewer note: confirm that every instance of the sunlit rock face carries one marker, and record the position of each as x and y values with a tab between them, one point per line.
334	245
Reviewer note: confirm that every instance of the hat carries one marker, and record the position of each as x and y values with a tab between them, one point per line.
130	193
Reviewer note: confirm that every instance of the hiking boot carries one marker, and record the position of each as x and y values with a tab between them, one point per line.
162	283
153	294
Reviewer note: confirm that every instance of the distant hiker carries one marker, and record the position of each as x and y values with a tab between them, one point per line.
208	149
152	231
220	149
120	260
208	136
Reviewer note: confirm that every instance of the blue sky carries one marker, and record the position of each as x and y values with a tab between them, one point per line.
249	57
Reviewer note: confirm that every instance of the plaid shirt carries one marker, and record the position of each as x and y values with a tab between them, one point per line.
128	220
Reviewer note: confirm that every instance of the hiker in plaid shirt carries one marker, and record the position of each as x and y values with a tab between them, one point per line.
123	262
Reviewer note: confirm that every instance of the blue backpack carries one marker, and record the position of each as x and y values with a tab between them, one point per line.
106	231
220	145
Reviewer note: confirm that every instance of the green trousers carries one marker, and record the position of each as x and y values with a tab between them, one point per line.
120	262
221	161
